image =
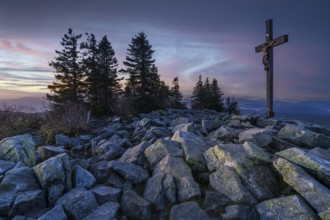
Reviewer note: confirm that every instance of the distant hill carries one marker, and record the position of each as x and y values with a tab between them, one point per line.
25	103
317	112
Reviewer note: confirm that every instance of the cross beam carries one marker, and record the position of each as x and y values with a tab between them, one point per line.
267	60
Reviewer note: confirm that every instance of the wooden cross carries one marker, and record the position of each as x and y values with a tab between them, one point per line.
267	60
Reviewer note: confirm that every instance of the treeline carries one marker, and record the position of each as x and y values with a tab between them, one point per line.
87	73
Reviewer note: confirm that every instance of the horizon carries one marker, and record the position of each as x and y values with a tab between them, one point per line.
215	39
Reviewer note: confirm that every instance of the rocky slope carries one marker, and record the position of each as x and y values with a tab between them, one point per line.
174	164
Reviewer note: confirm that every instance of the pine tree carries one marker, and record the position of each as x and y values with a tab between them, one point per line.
143	82
175	94
107	66
69	85
100	65
216	100
198	94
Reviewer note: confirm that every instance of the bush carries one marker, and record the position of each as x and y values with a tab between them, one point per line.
16	120
69	118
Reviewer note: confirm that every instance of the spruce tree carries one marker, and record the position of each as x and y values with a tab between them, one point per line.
216	100
198	94
143	83
175	94
69	85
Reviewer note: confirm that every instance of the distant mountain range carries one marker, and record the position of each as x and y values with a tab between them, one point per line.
25	103
317	112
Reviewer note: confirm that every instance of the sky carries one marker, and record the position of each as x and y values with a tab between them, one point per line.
215	38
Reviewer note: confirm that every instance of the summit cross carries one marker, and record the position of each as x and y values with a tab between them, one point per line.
267	60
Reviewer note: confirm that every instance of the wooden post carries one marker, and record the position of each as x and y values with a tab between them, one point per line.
269	38
267	60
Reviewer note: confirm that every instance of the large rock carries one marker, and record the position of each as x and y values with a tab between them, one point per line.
18	148
135	154
78	203
82	178
258	136
188	211
55	213
311	162
47	152
225	133
215	200
62	140
104	194
100	171
186	186
161	148
316	194
6	200
211	125
28	200
320	152
227	182
131	172
107	211
249	163
193	147
107	150
290	207
132	205
55	170
19	179
154	191
239	212
304	137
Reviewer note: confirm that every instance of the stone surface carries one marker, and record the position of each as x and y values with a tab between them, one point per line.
290	207
135	154
5	165
82	178
311	162
259	137
132	205
193	147
304	137
107	150
100	171
18	148
104	194
19	179
154	191
62	140
239	212
130	172
47	152
78	203
55	213
320	152
227	182
55	170
161	148
186	186
316	194
188	211
215	200
26	201
211	125
107	211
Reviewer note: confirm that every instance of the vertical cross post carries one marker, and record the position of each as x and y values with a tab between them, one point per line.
269	38
267	60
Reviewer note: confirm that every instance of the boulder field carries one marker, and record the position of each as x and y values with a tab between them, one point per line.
170	164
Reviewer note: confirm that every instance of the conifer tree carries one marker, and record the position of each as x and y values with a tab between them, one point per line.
143	82
232	106
101	69
216	100
198	94
175	94
69	85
